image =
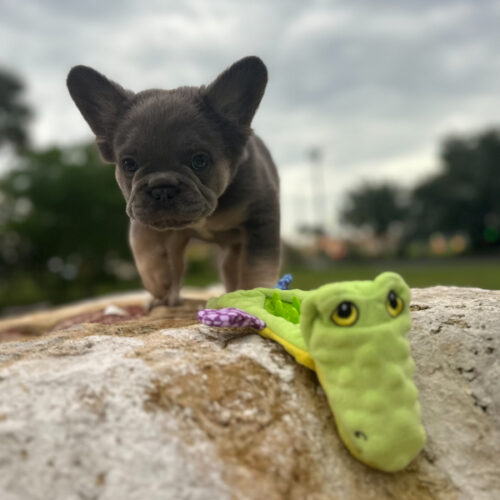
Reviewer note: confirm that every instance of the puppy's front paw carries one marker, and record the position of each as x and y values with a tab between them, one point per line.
165	302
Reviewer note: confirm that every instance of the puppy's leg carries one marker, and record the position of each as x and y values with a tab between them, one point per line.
159	257
229	266
260	259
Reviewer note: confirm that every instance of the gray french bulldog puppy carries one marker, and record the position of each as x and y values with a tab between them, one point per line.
189	166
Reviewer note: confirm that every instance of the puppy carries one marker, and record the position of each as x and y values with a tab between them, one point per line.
189	166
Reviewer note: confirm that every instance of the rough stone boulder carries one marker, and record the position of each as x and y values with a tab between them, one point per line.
100	402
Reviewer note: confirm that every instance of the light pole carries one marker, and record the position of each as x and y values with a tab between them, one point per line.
318	189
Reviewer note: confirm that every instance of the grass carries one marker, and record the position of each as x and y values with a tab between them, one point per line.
470	272
477	272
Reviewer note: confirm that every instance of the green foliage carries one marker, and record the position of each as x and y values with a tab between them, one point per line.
14	114
63	228
376	207
463	198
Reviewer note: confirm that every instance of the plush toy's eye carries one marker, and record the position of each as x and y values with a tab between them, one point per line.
200	161
394	304
346	314
129	165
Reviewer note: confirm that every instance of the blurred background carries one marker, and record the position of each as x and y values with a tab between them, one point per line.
382	115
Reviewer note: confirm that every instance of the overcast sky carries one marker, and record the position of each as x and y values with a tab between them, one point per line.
375	83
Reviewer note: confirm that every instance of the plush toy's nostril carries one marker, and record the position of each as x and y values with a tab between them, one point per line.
360	435
163	193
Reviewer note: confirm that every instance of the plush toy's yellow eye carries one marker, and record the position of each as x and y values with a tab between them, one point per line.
394	304
346	314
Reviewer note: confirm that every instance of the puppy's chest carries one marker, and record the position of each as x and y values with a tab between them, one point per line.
224	227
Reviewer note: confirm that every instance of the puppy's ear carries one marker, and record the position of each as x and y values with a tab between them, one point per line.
101	102
236	93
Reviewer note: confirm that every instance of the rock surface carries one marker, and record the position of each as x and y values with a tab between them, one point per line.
134	406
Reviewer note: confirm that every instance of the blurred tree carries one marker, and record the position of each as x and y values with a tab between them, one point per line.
465	196
63	228
14	114
375	207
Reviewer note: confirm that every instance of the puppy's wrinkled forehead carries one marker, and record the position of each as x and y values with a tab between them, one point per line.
160	121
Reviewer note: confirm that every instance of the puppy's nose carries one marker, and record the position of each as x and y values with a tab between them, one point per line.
163	193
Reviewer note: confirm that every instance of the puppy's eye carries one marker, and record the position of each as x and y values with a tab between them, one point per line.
129	165
346	314
200	161
394	304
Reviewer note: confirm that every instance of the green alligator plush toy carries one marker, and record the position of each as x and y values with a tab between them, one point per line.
353	334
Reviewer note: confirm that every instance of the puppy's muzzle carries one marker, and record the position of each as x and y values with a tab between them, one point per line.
169	200
157	190
164	193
